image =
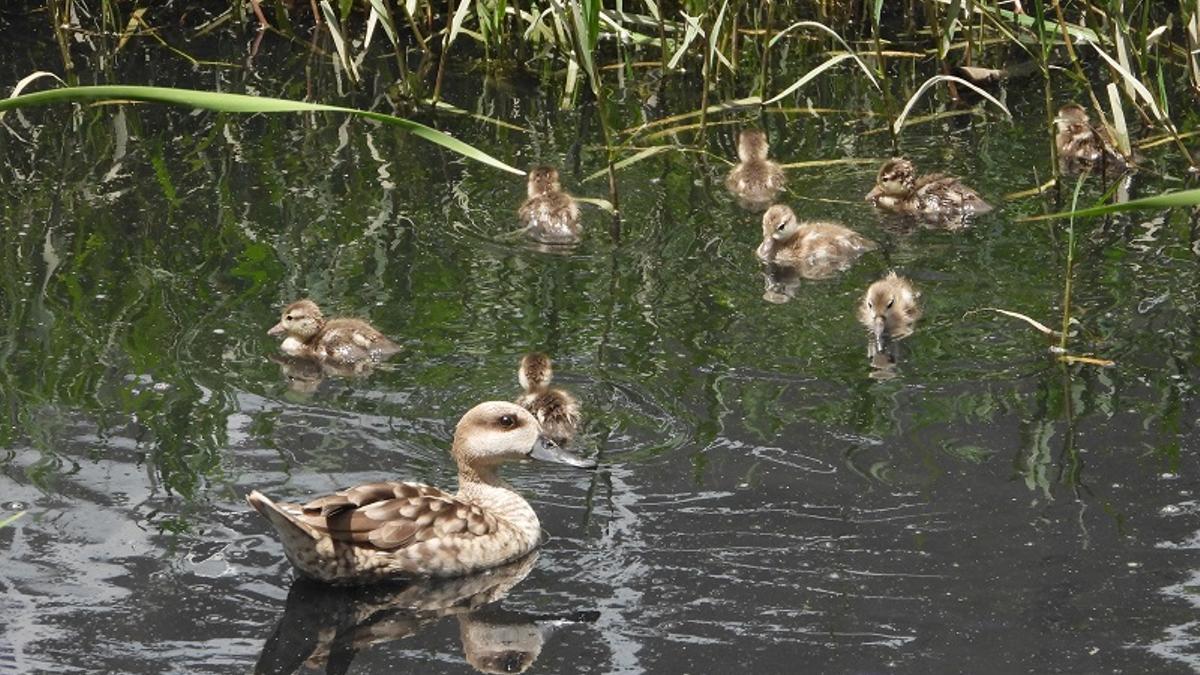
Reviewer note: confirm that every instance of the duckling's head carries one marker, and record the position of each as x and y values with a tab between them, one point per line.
896	176
1070	115
535	371
888	305
752	145
779	223
543	179
301	319
495	432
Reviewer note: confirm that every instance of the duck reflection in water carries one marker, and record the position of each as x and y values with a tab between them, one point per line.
780	283
304	375
324	628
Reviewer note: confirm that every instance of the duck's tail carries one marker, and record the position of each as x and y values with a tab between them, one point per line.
285	523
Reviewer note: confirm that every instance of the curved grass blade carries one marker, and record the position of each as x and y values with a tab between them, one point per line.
836	59
241	103
899	123
820	26
1169	200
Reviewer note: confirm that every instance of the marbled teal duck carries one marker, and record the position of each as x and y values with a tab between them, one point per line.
388	530
936	199
755	180
549	215
339	342
555	409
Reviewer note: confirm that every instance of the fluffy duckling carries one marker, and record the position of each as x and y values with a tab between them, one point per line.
934	198
819	249
755	180
1083	147
555	409
393	530
549	215
341	342
889	309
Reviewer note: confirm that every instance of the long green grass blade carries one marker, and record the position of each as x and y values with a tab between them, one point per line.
1169	200
241	103
11	519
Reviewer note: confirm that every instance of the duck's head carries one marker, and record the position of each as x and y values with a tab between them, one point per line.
1069	117
885	305
535	371
543	179
779	225
896	176
301	319
495	432
752	145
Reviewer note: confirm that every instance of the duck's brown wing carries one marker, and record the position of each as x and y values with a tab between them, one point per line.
393	515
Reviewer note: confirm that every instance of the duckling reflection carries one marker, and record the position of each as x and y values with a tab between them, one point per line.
936	199
780	283
304	376
339	342
555	409
1083	147
549	215
815	249
884	361
756	181
324	627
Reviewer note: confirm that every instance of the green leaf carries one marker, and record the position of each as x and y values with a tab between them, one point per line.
1163	201
241	103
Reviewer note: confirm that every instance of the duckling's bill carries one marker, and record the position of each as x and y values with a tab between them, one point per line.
546	450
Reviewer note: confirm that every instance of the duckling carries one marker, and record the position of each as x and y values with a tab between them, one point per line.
1083	147
755	180
934	198
889	309
817	249
549	215
340	342
393	530
555	409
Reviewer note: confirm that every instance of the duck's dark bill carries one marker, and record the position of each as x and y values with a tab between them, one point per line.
547	450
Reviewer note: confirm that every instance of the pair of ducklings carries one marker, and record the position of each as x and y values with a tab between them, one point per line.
888	309
354	344
935	198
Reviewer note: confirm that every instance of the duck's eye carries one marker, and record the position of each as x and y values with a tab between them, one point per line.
890	303
508	421
288	317
780	226
870	304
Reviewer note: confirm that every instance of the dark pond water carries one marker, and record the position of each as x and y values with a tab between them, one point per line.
764	503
